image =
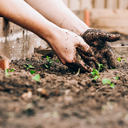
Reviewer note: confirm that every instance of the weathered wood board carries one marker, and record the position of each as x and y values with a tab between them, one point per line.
110	20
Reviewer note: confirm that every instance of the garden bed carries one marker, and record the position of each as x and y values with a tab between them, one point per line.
66	100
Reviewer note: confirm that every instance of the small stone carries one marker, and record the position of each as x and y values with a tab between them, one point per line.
27	95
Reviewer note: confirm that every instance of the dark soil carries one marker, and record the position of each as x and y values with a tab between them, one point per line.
67	100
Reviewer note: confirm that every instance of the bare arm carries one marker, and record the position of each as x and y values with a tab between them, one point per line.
57	12
62	41
24	15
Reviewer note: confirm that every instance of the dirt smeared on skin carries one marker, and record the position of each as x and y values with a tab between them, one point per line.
97	39
67	101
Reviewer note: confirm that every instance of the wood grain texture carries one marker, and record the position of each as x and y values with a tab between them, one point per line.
74	4
110	20
123	4
99	3
86	4
111	4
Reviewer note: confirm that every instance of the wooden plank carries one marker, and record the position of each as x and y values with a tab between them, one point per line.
86	4
123	4
99	3
110	20
111	4
74	4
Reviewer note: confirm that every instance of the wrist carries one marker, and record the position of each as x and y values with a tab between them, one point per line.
51	34
78	26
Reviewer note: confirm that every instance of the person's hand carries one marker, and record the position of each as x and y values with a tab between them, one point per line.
66	44
97	39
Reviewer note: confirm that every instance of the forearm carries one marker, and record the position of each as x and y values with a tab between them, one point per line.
24	15
57	12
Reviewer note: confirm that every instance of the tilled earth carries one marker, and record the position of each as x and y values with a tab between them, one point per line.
67	100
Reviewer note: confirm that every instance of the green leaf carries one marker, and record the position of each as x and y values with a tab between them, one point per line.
124	59
93	73
97	72
32	71
116	78
25	66
30	66
78	72
46	65
95	78
112	85
48	58
36	77
119	59
106	81
12	70
51	61
29	106
6	72
58	60
100	65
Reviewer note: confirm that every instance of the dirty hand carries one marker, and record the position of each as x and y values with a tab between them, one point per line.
97	39
66	45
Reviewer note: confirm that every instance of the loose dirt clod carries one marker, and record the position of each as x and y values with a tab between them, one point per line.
43	92
27	95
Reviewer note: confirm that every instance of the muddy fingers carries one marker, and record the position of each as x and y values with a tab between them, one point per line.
85	49
110	57
97	39
88	60
79	64
112	37
92	36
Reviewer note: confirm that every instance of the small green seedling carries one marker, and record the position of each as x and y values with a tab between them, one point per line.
95	74
124	59
112	85
119	59
95	78
32	72
108	81
58	60
12	70
29	66
29	106
78	72
49	62
7	72
101	66
36	78
116	78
